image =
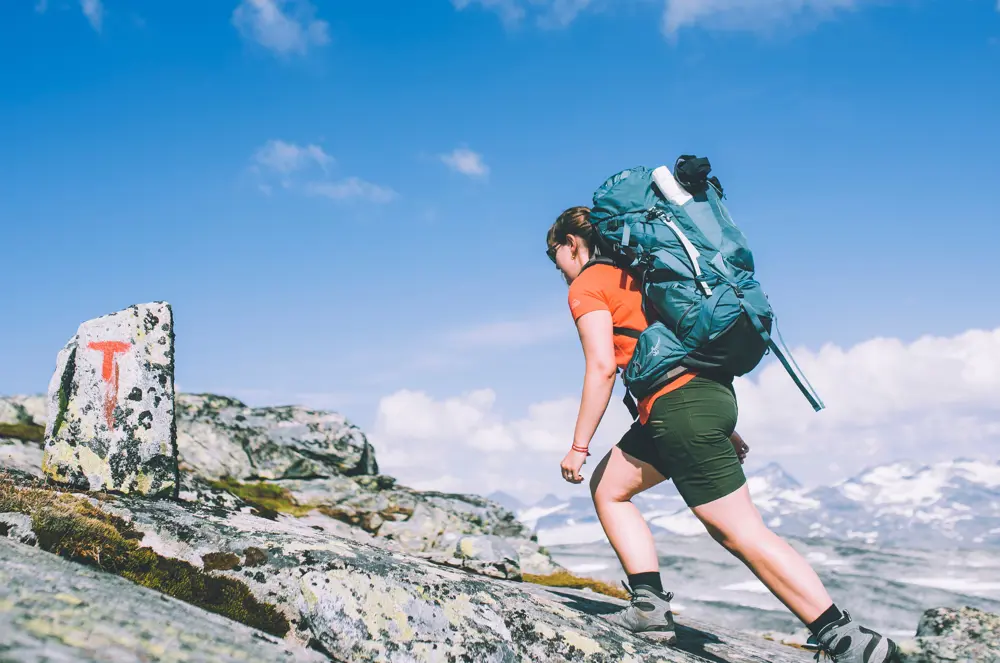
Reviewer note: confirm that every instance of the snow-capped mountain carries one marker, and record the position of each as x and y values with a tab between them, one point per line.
949	504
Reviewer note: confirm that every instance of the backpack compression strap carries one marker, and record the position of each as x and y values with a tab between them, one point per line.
787	361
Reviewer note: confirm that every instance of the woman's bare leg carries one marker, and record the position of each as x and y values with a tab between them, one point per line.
734	522
616	479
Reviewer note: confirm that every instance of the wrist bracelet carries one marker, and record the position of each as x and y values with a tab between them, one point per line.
581	450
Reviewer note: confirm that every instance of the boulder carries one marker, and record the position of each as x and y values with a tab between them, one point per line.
24	409
22	433
20	455
949	634
221	437
55	611
111	405
17	526
486	555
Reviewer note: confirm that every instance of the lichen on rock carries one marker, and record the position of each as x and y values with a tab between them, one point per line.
54	611
17	526
78	529
111	402
949	634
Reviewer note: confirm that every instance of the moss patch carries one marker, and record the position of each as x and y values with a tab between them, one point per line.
26	432
73	528
567	579
220	561
268	498
255	556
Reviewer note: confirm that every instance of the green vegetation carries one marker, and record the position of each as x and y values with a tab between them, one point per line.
255	557
73	528
567	579
267	498
26	432
220	561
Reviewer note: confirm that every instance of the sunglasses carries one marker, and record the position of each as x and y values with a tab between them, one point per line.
552	251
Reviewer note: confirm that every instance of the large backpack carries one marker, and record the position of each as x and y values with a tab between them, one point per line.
707	312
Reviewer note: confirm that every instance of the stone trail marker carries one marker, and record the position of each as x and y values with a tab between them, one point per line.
111	405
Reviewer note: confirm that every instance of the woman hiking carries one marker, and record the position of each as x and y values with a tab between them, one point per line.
685	432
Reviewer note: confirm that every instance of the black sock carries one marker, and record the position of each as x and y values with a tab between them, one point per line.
831	615
650	579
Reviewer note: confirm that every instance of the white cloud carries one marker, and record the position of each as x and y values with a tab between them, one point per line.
467	162
929	400
932	399
297	168
94	11
282	26
467	444
286	158
351	188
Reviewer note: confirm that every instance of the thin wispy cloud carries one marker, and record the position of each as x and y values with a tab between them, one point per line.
286	158
306	170
466	162
749	14
509	333
94	11
285	27
351	188
510	11
547	13
675	14
463	347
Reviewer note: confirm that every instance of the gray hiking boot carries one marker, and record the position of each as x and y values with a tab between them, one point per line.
648	614
846	641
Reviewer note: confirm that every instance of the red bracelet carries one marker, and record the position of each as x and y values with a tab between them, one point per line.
583	450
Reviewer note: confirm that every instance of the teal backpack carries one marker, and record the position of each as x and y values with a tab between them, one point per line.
672	233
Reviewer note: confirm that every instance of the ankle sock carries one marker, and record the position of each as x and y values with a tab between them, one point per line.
831	615
650	579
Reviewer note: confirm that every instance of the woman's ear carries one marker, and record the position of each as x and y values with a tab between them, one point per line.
574	244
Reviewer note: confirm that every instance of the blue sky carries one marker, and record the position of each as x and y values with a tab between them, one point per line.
347	201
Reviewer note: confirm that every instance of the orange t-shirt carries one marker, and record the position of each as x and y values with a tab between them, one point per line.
608	288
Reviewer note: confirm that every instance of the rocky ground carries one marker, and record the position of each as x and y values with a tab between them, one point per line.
286	544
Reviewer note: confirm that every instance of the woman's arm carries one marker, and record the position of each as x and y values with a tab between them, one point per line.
597	336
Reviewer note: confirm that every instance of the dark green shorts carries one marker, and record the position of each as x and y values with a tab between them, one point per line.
687	440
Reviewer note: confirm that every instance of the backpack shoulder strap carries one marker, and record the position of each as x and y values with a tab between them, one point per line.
604	260
598	260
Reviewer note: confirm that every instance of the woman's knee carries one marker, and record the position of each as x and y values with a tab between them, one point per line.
603	490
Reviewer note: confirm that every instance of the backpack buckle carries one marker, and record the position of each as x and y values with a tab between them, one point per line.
738	291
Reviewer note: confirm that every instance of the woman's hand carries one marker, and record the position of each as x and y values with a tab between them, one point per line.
741	447
571	465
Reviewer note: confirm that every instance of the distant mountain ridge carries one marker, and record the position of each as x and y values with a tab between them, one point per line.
943	505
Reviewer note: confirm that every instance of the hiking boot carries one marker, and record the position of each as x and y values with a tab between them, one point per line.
647	615
846	641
